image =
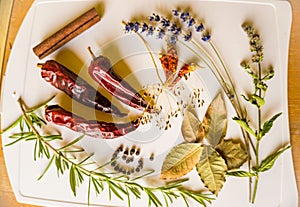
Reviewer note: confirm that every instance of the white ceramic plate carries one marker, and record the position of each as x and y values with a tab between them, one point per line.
272	18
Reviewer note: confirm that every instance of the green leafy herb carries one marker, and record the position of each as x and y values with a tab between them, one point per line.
269	161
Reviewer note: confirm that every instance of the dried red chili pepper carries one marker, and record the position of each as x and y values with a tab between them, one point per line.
169	62
102	72
74	86
93	128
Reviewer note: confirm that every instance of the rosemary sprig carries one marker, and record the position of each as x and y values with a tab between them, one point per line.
65	159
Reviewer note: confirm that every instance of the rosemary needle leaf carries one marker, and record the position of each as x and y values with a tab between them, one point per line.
112	187
14	142
13	125
71	143
47	168
85	159
72	180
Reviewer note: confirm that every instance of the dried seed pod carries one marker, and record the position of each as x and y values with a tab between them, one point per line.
132	150
138	152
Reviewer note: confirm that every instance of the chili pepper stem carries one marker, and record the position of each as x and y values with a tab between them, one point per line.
40	65
91	52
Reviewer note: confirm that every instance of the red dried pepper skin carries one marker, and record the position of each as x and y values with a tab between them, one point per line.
102	72
65	80
93	128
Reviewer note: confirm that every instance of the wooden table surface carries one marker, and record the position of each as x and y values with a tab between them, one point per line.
19	9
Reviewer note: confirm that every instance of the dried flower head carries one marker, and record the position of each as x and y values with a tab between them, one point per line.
255	43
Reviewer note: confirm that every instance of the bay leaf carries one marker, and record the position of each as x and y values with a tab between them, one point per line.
233	152
191	128
212	169
181	160
215	121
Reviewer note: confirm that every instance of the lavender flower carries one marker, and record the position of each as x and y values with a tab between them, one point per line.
188	37
174	29
206	36
161	34
199	28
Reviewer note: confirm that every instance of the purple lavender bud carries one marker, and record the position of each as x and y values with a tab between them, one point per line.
161	34
129	27
199	28
188	37
173	39
155	17
173	27
183	17
175	12
206	37
150	30
136	26
165	22
191	22
144	27
177	31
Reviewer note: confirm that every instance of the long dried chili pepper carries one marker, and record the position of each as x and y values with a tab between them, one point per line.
102	72
74	86
93	128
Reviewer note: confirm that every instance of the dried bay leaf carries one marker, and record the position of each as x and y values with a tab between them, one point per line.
181	160
191	127
212	169
215	121
233	152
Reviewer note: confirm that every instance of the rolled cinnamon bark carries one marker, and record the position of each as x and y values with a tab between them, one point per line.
67	33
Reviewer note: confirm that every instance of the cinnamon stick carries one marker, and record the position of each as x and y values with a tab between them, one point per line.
67	33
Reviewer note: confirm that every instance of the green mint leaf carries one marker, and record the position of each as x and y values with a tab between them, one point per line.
268	125
269	75
257	100
268	163
244	124
240	173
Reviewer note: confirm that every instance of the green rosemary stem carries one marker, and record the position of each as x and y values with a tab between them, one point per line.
255	188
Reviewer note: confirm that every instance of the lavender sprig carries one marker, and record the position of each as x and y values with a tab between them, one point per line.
162	27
